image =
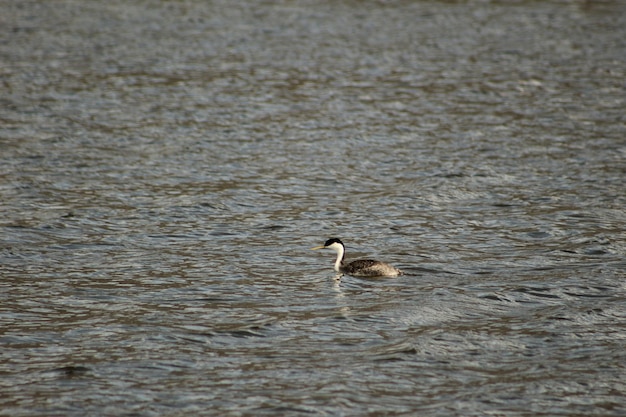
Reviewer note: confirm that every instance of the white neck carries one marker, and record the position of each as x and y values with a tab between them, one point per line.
340	250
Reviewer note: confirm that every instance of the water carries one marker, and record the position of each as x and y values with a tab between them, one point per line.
165	167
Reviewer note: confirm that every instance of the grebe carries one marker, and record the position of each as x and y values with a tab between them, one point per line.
361	267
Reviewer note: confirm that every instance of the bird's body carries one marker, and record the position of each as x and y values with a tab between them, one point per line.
361	267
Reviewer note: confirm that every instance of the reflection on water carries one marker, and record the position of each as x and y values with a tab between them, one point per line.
166	166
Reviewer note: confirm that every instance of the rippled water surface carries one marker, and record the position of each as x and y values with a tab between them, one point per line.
165	167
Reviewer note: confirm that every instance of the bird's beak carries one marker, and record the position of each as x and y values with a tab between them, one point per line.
318	247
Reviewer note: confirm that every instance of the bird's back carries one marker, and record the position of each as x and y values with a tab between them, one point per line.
370	268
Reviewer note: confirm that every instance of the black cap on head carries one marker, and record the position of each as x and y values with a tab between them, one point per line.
333	240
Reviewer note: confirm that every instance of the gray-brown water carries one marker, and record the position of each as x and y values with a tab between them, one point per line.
165	167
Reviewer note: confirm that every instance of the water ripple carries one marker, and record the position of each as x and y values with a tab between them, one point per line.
166	166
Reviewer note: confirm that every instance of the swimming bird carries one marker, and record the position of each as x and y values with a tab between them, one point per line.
361	267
